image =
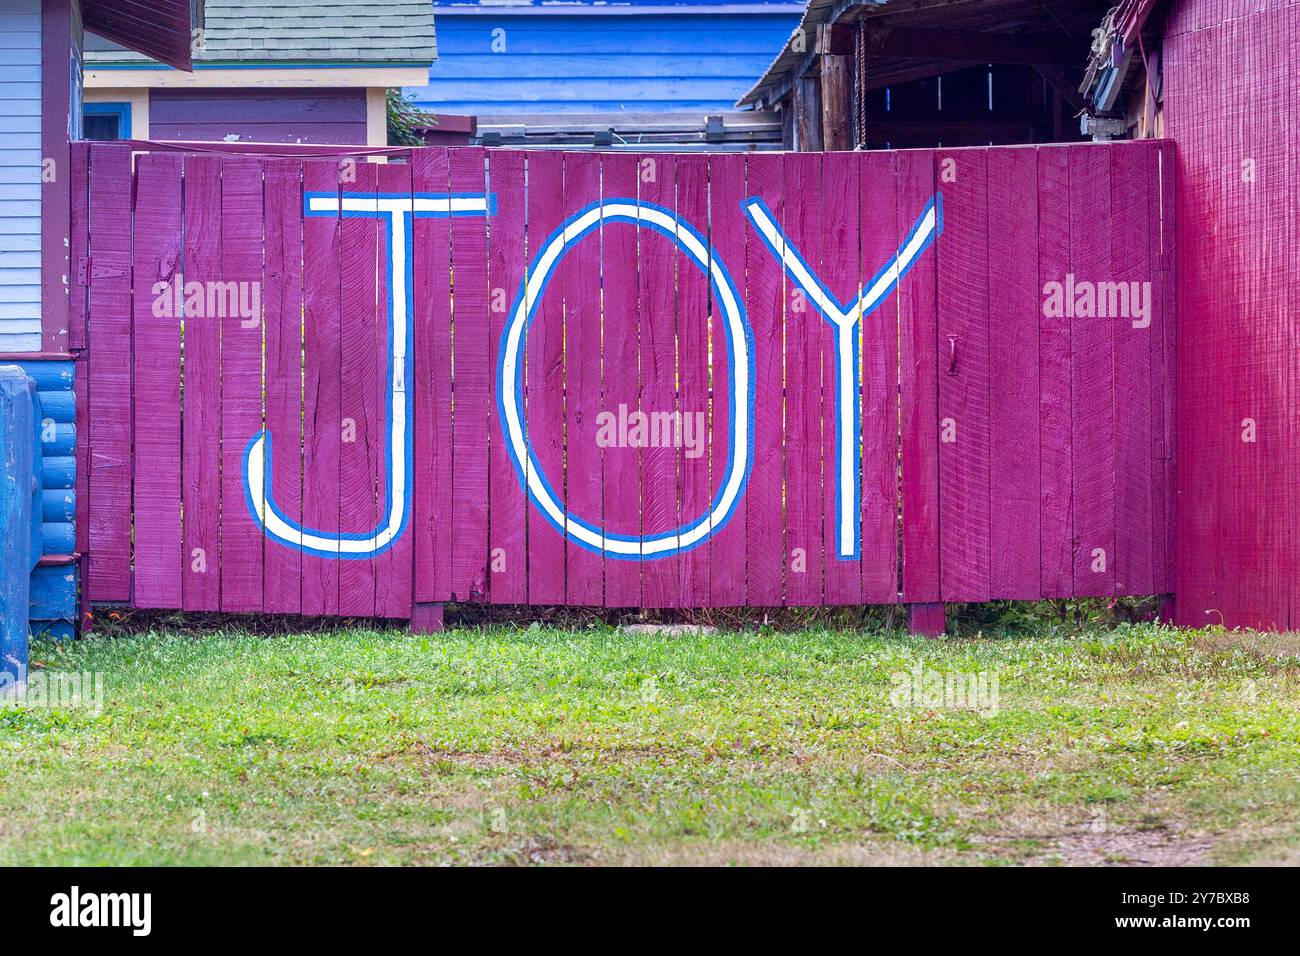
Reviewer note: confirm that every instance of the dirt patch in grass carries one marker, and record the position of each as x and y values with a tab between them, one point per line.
874	853
1261	647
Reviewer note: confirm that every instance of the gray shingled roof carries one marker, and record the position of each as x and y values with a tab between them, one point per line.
317	31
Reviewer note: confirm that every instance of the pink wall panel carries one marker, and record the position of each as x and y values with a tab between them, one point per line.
1231	93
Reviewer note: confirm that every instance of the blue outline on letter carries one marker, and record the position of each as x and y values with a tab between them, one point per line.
846	319
398	210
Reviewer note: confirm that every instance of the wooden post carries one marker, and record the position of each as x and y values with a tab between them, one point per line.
787	110
837	103
927	620
1166	612
807	114
426	618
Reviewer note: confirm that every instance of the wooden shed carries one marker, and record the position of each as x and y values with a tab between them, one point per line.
873	74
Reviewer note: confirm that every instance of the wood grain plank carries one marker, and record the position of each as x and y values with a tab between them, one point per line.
508	504
622	381
876	227
1015	566
1093	375
109	571
1055	412
432	538
240	321
79	244
579	278
661	515
544	386
362	428
727	237
322	386
964	384
694	446
78	318
394	566
919	329
283	300
864	392
806	336
157	357
470	384
765	303
1167	542
201	429
1134	329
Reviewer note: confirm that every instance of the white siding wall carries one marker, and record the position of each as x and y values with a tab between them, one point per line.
20	175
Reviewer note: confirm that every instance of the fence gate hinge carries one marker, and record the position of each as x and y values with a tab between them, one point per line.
87	271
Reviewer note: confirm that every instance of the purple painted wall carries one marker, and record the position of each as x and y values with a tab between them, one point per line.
260	115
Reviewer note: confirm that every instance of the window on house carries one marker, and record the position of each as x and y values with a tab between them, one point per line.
105	121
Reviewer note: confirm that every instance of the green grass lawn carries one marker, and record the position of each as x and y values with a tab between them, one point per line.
1137	744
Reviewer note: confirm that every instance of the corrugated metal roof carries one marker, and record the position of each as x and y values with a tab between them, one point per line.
1069	20
321	31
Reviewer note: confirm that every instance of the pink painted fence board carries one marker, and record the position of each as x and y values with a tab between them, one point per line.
201	396
579	277
508	520
728	235
765	304
283	301
544	381
241	379
157	332
919	368
322	383
660	479
622	316
108	385
993	448
432	503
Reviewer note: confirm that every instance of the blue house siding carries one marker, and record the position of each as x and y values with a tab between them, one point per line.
493	60
20	176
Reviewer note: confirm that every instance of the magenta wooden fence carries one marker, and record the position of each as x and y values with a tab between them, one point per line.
327	386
